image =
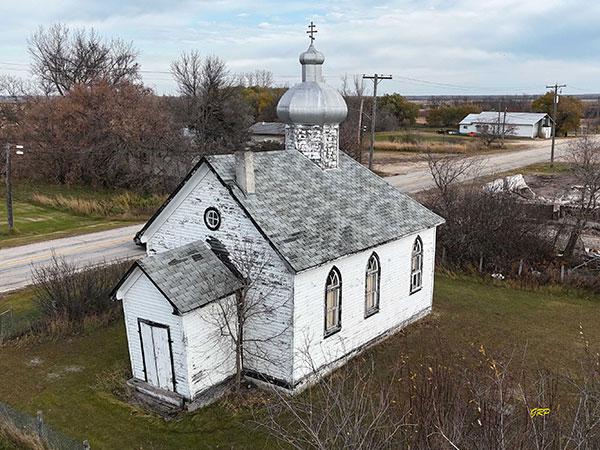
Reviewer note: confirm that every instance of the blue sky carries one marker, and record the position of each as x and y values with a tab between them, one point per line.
430	46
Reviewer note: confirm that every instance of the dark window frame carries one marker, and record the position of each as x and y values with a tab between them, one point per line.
170	341
208	210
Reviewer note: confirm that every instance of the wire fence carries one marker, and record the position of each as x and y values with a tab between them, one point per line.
35	425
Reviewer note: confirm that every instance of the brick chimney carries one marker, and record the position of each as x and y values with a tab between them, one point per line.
244	171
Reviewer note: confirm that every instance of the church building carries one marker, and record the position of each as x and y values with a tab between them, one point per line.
330	257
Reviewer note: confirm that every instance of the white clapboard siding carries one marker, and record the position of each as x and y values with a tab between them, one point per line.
211	356
396	305
142	300
185	224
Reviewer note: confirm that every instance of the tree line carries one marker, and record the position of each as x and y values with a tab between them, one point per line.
570	110
85	116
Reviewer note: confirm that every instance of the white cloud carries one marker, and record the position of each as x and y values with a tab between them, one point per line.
496	46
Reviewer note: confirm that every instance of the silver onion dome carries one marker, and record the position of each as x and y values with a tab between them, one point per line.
312	102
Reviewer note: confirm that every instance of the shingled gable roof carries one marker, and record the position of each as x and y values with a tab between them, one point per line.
312	216
190	276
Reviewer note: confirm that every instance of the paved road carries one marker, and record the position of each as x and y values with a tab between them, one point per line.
95	248
16	262
419	180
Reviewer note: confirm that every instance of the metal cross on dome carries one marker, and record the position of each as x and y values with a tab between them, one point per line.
312	31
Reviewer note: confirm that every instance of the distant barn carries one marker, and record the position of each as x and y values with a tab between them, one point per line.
517	124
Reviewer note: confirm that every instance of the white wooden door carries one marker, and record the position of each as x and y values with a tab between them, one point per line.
157	355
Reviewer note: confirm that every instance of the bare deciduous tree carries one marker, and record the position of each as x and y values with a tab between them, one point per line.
62	59
102	134
350	128
260	78
448	171
489	133
213	108
584	157
243	321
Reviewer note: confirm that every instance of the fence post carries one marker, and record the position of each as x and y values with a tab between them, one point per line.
86	445
481	263
40	425
520	267
562	273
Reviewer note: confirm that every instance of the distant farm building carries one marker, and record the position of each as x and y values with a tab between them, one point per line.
516	124
267	132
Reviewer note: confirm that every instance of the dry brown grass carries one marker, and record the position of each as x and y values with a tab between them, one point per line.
126	204
21	438
76	205
432	147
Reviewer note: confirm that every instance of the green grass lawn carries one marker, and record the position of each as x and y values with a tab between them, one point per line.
37	222
58	376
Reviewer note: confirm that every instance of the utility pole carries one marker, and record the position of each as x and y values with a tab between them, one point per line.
503	127
9	209
360	113
555	87
376	79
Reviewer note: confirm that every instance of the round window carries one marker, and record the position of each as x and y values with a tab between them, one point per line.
212	218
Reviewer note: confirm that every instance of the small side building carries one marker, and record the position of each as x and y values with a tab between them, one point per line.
267	132
516	124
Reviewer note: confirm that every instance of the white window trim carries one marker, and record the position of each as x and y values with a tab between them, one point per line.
375	274
337	288
416	266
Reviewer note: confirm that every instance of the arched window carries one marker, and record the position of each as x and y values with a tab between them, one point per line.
416	268
372	286
333	302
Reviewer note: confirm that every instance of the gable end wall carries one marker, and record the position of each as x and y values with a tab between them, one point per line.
185	224
144	301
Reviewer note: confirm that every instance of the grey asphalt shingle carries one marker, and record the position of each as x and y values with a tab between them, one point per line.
313	216
190	276
272	128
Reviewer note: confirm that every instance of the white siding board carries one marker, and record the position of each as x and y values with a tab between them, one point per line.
396	305
185	224
211	356
144	301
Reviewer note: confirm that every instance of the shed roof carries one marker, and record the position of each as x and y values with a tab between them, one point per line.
270	128
189	276
312	216
512	118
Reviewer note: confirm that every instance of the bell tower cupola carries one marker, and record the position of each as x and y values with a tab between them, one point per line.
312	111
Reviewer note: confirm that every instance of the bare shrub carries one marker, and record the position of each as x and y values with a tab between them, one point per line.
483	229
350	409
449	399
584	157
489	230
63	291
